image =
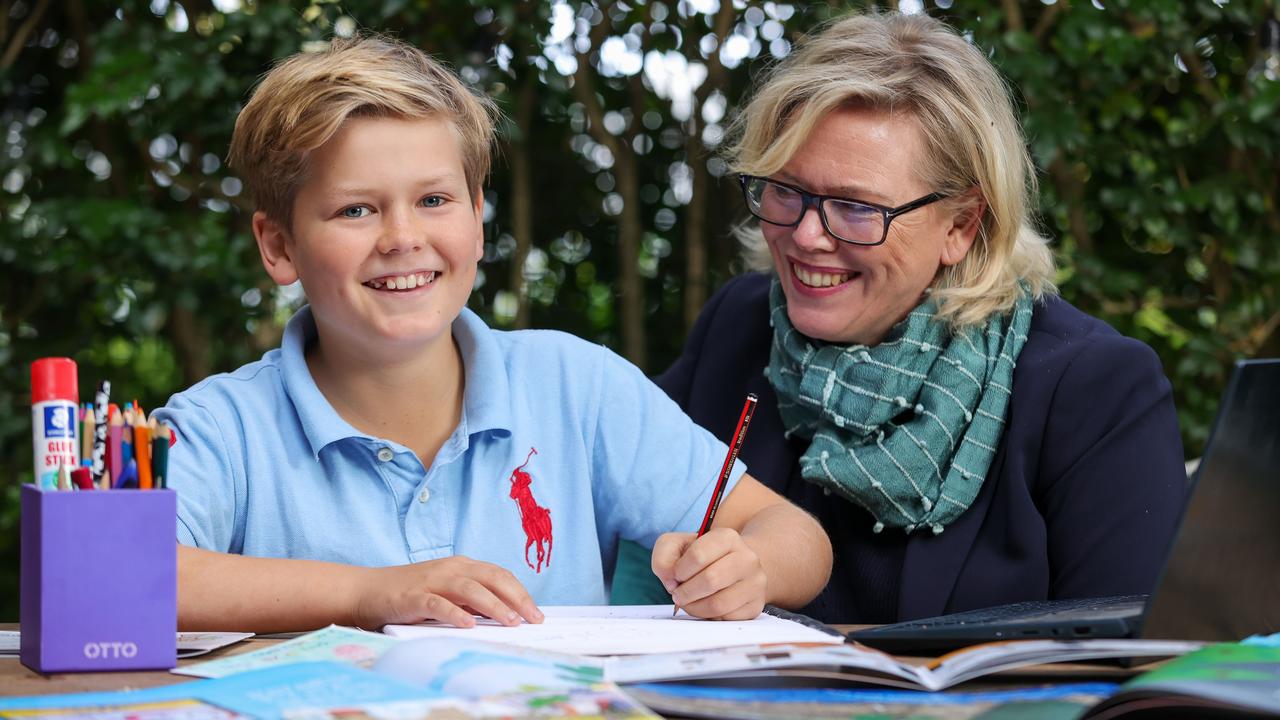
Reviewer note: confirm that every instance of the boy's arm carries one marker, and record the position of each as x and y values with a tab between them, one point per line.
221	591
760	549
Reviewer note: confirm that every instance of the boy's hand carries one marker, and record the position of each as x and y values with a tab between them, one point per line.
450	590
716	576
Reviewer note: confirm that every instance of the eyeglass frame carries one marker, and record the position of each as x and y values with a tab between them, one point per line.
808	199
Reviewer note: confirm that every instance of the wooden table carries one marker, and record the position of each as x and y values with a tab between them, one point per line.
17	679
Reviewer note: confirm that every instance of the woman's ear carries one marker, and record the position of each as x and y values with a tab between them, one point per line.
965	224
274	247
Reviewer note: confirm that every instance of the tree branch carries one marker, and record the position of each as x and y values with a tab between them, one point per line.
1013	15
1072	189
20	37
1257	337
1047	17
4	21
631	287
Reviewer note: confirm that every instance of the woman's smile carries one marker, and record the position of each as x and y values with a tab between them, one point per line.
819	281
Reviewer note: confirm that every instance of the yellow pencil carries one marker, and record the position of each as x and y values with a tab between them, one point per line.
86	440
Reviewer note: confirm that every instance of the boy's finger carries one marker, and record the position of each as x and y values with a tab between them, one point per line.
746	611
741	600
720	604
703	552
474	594
439	608
720	574
512	592
666	552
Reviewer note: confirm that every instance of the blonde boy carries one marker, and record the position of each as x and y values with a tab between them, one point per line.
396	460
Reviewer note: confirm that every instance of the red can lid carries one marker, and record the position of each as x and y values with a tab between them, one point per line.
54	378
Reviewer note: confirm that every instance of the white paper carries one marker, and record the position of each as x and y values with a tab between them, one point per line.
625	630
191	644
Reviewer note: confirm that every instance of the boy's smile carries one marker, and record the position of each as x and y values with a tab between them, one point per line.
385	237
402	283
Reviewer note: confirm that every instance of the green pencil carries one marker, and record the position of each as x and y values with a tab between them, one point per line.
160	455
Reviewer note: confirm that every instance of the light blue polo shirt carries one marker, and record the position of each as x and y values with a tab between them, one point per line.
265	466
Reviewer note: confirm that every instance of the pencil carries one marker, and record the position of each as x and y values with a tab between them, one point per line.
142	449
159	455
735	444
115	441
87	435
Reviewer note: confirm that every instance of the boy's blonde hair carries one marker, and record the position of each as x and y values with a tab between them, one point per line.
922	71
303	101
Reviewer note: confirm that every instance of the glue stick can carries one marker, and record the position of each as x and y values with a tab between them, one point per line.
55	398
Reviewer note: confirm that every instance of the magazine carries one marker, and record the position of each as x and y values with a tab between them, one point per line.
1230	680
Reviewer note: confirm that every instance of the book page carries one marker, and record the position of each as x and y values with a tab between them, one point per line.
980	660
336	643
848	661
626	630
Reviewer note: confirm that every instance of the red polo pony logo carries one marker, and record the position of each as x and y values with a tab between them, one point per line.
535	518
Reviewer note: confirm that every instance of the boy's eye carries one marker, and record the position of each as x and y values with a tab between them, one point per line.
432	201
355	211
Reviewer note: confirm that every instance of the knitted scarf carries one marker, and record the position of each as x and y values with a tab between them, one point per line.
907	428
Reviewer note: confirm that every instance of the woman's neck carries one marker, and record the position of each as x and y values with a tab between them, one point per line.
414	399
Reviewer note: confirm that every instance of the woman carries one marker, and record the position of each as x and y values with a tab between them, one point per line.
965	437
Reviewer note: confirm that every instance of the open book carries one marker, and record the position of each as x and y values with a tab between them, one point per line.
1217	681
430	659
846	664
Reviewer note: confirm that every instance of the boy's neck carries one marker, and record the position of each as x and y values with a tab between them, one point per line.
416	402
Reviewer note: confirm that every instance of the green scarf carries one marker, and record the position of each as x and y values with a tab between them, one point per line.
908	428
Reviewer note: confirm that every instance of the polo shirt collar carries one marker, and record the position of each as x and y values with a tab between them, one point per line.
486	397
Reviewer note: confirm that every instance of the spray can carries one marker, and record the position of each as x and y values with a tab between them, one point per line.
55	398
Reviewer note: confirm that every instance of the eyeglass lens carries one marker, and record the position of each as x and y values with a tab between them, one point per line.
847	220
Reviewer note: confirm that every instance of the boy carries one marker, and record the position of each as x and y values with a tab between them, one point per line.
350	476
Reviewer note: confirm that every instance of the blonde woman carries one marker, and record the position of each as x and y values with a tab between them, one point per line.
966	438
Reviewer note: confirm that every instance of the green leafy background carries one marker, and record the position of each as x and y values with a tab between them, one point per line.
124	239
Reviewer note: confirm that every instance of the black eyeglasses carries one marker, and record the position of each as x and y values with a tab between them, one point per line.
853	221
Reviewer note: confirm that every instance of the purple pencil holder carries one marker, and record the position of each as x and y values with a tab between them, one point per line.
99	580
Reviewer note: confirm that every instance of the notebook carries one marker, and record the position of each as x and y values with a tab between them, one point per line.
1221	578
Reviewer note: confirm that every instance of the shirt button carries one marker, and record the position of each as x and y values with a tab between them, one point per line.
424	496
385	454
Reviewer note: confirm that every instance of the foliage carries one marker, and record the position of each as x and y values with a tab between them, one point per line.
124	240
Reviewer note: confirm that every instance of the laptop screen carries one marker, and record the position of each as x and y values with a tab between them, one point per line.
1222	577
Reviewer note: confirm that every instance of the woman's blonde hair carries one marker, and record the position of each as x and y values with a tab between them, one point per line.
304	100
918	66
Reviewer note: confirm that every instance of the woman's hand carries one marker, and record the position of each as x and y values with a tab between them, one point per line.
451	590
717	576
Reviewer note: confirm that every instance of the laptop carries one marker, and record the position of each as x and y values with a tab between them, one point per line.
1221	577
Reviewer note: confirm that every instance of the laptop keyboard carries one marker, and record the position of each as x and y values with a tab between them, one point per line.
1033	611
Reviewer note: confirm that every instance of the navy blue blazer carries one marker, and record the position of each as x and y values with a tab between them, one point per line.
1081	499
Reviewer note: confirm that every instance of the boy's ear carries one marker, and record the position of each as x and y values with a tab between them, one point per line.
274	246
479	211
964	228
